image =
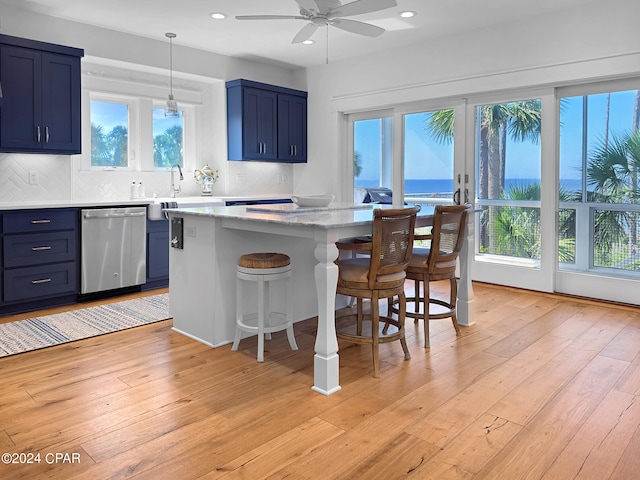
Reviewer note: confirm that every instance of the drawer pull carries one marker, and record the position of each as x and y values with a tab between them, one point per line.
38	249
36	222
43	280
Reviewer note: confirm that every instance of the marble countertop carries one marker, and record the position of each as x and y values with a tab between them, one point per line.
335	215
26	205
69	203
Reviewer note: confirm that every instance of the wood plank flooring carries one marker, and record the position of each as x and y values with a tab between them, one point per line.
542	387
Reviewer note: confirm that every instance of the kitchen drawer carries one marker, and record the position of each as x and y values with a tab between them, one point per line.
42	220
37	249
34	282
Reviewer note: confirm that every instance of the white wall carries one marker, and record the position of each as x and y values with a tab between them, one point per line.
601	40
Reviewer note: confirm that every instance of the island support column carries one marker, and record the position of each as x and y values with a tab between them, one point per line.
466	312
326	361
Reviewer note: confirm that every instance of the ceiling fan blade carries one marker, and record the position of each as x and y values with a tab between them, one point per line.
305	33
361	6
270	17
360	28
308	5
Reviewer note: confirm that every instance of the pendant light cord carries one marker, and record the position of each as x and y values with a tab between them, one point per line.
170	36
327	46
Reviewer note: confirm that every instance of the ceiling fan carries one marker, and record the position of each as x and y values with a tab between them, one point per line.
330	13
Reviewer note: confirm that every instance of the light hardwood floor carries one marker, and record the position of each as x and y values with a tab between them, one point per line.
543	387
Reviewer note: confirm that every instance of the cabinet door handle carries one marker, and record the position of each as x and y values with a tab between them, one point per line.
35	222
295	150
39	249
46	134
43	280
38	133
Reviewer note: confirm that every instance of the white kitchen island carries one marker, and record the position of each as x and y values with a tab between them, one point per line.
202	277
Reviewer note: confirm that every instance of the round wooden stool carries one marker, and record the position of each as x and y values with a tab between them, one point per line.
263	268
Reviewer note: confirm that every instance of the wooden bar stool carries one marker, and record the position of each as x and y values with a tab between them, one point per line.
263	268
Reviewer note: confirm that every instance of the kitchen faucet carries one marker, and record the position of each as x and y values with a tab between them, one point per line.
174	190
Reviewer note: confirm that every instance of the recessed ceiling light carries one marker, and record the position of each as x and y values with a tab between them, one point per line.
408	14
308	42
218	15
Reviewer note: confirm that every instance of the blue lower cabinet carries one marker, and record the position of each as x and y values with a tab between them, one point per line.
40	252
30	249
40	281
157	254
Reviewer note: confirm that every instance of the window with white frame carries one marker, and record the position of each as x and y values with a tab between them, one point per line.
109	133
599	191
168	139
372	152
125	126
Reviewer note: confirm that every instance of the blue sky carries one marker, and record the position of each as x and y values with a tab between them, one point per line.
620	122
425	158
110	114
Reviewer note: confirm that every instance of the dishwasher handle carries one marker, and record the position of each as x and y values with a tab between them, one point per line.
114	215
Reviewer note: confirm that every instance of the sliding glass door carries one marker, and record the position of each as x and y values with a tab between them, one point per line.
513	245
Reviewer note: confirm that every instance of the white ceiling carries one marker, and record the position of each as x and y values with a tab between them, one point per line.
270	40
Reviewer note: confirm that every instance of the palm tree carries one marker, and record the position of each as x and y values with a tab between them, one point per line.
117	142
99	152
517	229
633	234
167	147
612	178
357	164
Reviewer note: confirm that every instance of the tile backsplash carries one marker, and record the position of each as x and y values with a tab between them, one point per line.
60	178
53	182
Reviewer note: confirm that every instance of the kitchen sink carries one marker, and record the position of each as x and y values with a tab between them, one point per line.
154	210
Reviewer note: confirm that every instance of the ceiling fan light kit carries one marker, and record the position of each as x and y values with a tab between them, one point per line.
321	13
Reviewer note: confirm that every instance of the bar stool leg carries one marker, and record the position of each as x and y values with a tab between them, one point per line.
261	312
239	315
267	309
289	313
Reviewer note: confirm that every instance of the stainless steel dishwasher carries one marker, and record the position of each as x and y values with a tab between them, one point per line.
114	248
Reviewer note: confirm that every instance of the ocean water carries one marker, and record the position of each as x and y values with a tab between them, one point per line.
446	185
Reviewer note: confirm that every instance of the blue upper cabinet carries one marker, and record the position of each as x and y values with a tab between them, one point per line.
259	117
40	111
266	122
292	128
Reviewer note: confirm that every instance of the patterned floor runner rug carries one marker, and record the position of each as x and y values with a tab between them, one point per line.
46	331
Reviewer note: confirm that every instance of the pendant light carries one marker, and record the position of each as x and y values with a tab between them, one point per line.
172	107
